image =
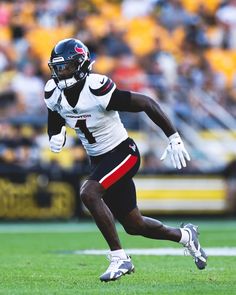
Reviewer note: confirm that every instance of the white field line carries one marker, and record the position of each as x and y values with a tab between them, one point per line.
225	251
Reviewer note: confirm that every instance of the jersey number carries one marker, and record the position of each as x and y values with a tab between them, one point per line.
81	124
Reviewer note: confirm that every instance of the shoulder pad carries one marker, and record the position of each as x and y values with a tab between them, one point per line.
49	88
100	85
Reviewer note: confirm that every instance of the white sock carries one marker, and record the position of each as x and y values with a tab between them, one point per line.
185	236
119	253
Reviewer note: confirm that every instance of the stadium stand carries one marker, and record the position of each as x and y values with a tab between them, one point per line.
183	53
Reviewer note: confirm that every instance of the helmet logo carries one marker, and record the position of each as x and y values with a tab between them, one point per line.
80	50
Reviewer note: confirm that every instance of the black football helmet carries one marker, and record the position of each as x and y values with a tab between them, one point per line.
69	62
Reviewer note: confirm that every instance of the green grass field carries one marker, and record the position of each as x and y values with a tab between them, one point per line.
38	259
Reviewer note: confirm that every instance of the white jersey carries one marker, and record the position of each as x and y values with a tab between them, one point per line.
98	129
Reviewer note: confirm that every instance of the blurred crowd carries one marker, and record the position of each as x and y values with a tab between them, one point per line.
180	52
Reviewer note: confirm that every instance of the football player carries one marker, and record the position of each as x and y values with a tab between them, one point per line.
89	103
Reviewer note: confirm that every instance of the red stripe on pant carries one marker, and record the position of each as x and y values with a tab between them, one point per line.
118	172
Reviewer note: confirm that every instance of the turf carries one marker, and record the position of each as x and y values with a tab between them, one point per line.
34	259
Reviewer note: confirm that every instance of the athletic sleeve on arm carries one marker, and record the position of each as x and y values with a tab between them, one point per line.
55	123
120	100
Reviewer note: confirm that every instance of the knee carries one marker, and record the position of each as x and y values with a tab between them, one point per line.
90	192
135	228
85	196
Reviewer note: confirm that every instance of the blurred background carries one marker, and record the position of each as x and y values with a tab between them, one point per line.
180	52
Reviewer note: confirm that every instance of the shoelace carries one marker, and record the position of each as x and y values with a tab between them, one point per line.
114	261
188	249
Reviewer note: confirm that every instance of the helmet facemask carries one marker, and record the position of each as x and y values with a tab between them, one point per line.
63	70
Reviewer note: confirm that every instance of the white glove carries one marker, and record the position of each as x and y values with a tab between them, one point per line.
57	141
177	151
